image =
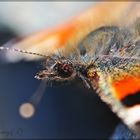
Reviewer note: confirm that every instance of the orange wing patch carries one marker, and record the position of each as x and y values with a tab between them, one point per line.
127	86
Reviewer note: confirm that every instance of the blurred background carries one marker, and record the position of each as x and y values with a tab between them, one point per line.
28	17
68	111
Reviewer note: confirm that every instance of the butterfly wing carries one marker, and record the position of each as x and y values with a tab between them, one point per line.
72	32
119	86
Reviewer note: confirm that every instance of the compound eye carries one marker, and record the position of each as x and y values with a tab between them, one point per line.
65	70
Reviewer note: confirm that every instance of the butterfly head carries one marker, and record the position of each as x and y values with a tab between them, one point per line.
64	70
60	70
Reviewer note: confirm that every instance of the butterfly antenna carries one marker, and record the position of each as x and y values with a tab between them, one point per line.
22	51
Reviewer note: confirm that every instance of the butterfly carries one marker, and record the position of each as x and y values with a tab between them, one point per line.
106	59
